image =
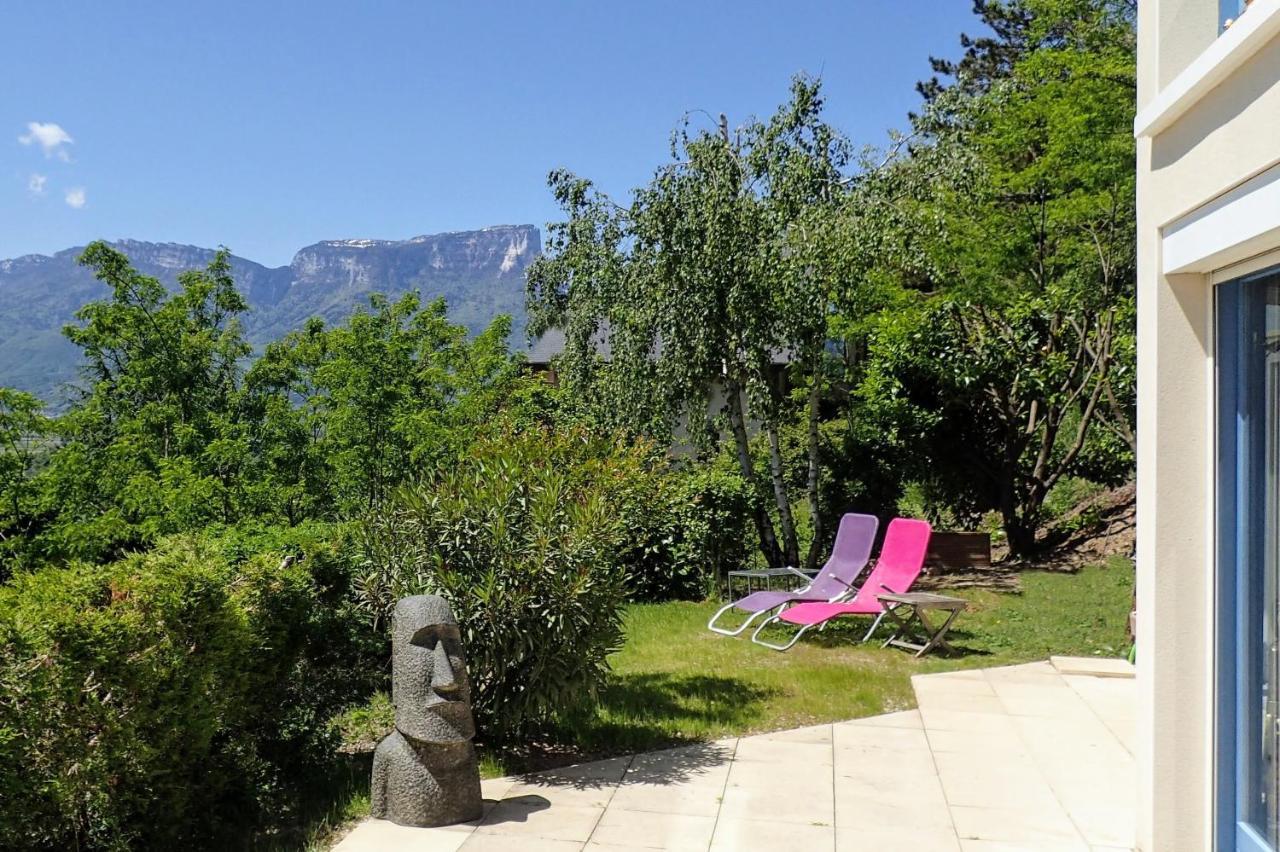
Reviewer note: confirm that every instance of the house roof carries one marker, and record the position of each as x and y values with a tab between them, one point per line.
552	343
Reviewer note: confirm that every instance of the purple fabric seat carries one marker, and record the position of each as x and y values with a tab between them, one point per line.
849	555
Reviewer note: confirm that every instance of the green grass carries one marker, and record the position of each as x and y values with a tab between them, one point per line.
673	681
350	803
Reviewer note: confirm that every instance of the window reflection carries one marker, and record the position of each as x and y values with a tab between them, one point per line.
1249	399
1229	11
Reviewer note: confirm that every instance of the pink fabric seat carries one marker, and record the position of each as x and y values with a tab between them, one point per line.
901	560
816	613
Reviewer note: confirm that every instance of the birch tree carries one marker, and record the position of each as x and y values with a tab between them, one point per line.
711	272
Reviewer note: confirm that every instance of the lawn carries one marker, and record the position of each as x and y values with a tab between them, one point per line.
674	681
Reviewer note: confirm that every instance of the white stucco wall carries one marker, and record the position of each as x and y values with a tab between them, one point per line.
1228	138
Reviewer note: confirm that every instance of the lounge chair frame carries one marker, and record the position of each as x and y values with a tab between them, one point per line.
850	556
755	637
725	631
901	558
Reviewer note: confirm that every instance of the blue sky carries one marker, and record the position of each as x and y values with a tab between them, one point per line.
267	126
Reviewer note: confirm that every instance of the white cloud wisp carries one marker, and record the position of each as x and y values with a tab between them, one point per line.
50	137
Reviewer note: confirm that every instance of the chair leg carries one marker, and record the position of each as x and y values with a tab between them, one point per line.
874	625
755	637
724	631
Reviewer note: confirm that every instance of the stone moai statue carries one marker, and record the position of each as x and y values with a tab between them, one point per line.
425	773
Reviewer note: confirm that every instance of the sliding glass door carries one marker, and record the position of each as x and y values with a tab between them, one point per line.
1248	563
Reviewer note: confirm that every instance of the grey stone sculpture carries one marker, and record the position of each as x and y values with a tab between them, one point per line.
425	773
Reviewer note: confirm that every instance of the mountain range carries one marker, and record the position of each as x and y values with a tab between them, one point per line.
480	274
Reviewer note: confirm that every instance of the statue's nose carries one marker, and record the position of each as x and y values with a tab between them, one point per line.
442	676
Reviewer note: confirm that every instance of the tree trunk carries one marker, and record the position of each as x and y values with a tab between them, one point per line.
777	474
1021	541
1020	520
815	514
1021	535
742	446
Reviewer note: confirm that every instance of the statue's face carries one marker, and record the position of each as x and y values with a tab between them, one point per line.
443	645
431	692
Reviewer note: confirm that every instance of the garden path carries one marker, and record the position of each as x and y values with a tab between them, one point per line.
1029	757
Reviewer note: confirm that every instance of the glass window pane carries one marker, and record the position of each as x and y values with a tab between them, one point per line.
1249	390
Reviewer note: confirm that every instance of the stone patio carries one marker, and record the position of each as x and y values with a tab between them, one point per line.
1030	757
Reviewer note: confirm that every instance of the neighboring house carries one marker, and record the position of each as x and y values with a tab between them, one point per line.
1208	129
547	348
550	345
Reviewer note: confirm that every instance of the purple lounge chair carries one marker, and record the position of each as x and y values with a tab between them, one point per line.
849	556
900	563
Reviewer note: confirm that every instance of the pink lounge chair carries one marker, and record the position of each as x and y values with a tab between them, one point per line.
854	538
900	563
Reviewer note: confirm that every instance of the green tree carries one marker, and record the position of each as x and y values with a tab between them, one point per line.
718	266
23	432
170	433
1017	28
153	445
1024	190
350	412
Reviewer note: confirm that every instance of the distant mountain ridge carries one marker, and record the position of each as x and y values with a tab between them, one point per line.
480	274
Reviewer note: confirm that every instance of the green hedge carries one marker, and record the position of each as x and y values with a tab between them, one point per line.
155	702
537	537
522	537
684	529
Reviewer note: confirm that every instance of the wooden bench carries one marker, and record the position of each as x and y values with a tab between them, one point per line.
957	551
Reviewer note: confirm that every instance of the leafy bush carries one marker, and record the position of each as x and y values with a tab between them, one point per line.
684	530
1067	495
523	538
140	702
340	665
343	662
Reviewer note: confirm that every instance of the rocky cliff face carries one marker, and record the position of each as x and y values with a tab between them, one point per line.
480	274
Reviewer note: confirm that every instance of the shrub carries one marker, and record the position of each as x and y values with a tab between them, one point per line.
522	537
685	528
343	662
154	702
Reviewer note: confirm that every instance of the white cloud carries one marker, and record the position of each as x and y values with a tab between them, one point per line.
36	183
75	197
50	137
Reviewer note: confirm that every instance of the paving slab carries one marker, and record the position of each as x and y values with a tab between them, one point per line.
1095	666
798	796
498	843
642	830
1111	699
909	837
901	719
767	835
587	784
1034	758
377	835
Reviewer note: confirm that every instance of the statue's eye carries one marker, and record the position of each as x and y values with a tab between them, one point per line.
427	637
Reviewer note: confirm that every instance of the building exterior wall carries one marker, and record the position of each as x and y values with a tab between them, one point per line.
1219	142
1192	154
